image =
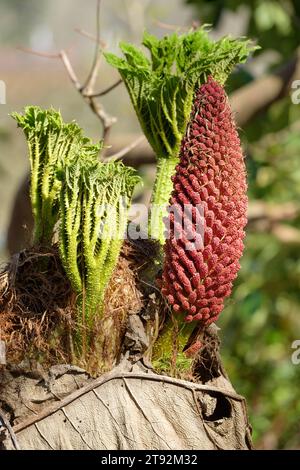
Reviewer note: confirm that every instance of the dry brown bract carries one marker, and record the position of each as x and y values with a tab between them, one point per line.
38	307
36	300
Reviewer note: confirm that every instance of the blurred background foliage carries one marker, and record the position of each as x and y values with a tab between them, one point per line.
262	318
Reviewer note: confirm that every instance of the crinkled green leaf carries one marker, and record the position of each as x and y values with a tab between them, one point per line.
92	225
51	142
161	89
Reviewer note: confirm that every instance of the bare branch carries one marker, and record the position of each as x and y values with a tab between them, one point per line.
88	86
69	68
104	92
171	27
91	36
86	90
56	55
47	55
126	149
105	118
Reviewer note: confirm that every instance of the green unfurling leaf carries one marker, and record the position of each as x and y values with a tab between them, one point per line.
51	142
94	202
162	88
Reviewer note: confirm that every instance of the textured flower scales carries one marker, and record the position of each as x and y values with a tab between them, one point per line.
211	176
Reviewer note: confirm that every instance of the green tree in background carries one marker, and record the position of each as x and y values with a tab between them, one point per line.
275	23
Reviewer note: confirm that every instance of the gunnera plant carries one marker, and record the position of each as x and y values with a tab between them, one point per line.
50	143
182	107
210	177
59	297
210	180
94	203
179	98
87	201
162	90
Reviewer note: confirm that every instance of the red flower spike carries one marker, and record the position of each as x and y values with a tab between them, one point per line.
211	175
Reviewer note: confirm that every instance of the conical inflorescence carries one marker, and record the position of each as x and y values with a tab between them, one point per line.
202	259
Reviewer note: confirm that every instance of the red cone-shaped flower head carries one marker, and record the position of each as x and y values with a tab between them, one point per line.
207	213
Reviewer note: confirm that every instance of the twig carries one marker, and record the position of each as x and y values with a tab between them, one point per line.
126	149
63	56
69	68
106	120
91	36
171	27
104	92
86	89
88	85
47	55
